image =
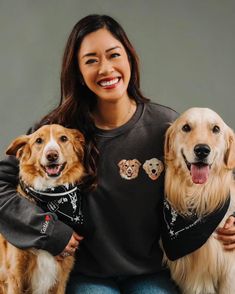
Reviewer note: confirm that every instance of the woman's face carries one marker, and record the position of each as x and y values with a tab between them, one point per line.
104	65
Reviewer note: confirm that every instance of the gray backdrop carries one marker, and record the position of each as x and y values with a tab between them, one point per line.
186	48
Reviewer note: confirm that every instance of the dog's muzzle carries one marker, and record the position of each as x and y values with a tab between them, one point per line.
52	166
199	169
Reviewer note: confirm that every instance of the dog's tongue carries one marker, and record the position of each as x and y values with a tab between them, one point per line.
53	170
200	173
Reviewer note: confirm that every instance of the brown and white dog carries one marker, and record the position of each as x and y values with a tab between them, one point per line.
50	157
199	189
129	169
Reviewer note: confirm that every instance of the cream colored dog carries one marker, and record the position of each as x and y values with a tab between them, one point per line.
153	167
200	157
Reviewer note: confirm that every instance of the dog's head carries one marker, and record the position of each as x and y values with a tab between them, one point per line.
129	169
153	168
199	142
50	156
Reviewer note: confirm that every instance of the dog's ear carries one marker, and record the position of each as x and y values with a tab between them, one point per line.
17	146
168	140
145	165
137	162
122	162
230	154
78	142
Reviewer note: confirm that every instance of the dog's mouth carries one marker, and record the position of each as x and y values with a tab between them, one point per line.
199	170
54	170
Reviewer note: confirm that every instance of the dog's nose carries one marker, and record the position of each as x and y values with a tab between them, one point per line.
52	155
202	151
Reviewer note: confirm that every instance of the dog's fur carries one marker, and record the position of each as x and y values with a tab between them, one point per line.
37	271
210	269
153	168
129	169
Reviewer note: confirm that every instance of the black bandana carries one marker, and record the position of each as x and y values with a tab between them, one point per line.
182	235
65	201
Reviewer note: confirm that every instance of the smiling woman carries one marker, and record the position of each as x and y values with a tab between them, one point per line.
105	69
123	186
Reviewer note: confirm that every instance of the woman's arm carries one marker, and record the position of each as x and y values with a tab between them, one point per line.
24	224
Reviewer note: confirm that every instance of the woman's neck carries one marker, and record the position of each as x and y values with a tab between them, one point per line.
110	115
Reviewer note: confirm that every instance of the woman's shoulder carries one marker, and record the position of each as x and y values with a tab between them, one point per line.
160	112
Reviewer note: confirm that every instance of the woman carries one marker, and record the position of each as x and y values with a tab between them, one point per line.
100	95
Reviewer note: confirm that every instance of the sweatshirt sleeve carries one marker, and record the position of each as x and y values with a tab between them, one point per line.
24	224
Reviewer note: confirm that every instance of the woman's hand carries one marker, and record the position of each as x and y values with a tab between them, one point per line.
226	234
71	247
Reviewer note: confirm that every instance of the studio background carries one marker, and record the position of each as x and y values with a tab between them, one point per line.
186	49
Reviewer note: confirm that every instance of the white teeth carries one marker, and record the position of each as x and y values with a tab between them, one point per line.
108	83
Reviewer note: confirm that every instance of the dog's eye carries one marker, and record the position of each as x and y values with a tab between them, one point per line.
39	140
186	128
216	129
63	139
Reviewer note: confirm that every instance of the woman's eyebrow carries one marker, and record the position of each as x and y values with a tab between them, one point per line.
89	54
112	48
94	53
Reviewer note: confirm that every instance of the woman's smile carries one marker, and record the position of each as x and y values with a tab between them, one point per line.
109	83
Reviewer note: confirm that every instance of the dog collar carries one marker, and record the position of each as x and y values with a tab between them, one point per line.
50	193
64	200
182	235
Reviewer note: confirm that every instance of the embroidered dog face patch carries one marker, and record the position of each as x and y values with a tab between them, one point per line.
129	169
153	167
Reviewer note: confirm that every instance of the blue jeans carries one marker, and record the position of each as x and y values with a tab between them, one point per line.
159	283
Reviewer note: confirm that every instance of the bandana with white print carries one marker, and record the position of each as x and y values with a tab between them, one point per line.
64	200
182	235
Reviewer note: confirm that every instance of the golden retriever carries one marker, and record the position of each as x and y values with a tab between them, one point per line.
50	157
199	191
153	168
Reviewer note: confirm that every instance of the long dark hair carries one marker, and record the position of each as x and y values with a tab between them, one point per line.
77	101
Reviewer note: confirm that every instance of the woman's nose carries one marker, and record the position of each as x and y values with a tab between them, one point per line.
106	67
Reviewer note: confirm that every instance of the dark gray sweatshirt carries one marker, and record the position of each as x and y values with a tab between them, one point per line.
122	215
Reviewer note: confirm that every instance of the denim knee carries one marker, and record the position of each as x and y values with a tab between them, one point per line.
159	283
88	285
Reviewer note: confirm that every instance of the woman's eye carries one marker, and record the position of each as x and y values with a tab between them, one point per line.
114	55
39	141
90	61
63	139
